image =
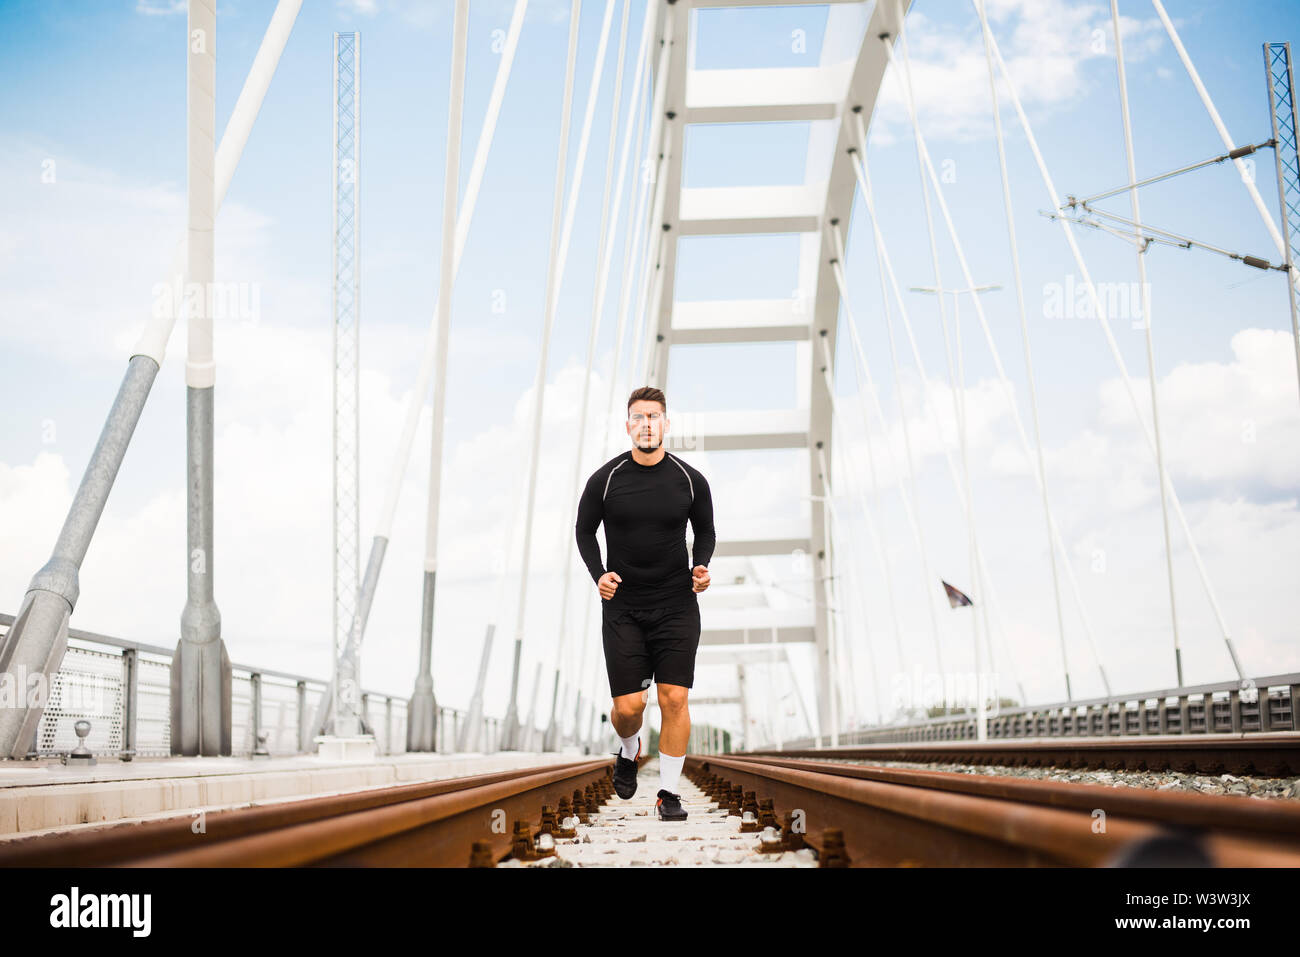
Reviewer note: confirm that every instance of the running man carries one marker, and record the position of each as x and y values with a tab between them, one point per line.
650	615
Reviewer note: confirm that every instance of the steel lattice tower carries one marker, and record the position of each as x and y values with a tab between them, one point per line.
1282	109
347	288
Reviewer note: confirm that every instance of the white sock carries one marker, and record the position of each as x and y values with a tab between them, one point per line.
630	745
670	769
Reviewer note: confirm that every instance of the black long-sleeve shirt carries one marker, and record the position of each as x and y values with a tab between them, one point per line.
645	508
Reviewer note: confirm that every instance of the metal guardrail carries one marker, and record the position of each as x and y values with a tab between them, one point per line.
1202	709
124	689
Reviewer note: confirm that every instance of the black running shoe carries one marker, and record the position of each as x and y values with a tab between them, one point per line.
669	806
625	772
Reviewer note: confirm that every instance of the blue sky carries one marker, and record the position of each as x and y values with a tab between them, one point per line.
99	90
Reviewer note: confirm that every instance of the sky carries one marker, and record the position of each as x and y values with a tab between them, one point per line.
92	202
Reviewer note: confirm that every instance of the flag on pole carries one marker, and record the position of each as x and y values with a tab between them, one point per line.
955	598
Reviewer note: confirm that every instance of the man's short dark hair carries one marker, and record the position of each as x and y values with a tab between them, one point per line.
650	394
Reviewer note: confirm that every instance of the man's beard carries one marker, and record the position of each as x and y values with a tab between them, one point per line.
647	448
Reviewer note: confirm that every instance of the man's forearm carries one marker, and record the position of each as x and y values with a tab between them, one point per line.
702	551
589	549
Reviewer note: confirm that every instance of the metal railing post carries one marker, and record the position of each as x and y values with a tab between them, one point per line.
304	742
130	701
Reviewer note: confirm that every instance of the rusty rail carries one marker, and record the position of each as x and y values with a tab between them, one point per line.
899	817
1276	754
426	824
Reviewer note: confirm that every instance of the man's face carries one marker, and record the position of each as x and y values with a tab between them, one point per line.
646	425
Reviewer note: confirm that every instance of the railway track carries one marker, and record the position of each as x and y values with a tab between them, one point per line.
1275	754
761	810
900	817
428	824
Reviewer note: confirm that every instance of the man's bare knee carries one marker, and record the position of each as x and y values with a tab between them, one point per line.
626	710
672	699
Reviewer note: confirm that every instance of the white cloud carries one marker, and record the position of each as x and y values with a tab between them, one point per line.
1048	46
1224	423
164	8
60	261
1240	498
366	8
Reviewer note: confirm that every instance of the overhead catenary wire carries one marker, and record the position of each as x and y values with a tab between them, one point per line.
1239	152
1247	180
1143	234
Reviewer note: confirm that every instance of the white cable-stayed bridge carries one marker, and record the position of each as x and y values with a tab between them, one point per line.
911	341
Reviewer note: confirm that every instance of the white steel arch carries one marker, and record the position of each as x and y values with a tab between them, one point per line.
831	90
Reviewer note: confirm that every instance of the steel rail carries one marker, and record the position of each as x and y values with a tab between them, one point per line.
895	817
1275	754
424	824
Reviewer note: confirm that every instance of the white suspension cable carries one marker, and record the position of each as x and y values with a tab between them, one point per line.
876	541
584	140
866	511
864	181
658	151
993	349
906	478
844	640
864	369
929	216
905	487
627	277
153	339
566	533
632	267
1100	312
835	670
648	319
539	387
1146	322
1024	339
635	111
864	374
415	402
959	389
905	490
959	416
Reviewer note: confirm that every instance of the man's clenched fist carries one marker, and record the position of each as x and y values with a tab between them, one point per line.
700	578
607	584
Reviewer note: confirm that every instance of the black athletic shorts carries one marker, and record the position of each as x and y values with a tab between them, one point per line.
645	643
